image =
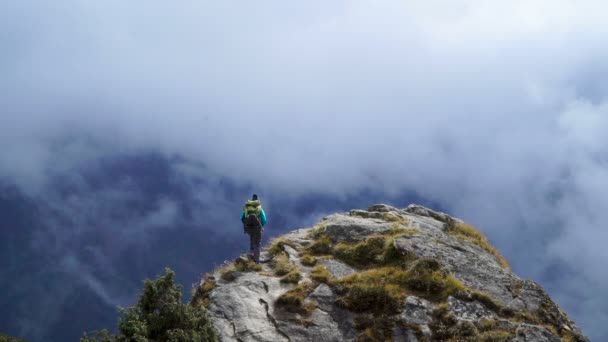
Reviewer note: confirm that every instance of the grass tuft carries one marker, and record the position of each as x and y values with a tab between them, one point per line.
308	260
292	277
398	230
294	300
281	265
496	336
467	232
390	217
202	292
276	246
317	232
320	274
363	253
427	279
248	266
321	246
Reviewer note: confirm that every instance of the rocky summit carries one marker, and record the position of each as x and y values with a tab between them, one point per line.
381	274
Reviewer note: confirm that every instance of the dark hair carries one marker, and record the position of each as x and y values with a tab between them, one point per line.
254	197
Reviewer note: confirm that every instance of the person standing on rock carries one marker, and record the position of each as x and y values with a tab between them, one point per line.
254	220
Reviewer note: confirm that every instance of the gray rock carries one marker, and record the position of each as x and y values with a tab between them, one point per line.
404	335
324	296
242	310
353	229
422	211
381	208
416	310
319	326
534	333
265	257
469	311
243	307
337	268
293	254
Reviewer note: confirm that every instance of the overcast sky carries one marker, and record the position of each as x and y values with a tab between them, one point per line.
496	110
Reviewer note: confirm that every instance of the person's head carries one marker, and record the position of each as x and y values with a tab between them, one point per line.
254	197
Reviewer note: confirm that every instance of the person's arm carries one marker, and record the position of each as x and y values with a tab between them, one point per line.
263	218
243	216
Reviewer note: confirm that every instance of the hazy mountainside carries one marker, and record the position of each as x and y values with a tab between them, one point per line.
381	274
92	235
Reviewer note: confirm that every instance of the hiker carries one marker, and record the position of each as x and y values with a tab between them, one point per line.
254	220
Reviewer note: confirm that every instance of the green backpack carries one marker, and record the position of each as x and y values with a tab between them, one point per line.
252	214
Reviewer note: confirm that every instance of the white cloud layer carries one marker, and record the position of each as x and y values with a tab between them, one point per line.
497	110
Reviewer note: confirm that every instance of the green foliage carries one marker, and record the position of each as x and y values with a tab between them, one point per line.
6	338
97	336
159	315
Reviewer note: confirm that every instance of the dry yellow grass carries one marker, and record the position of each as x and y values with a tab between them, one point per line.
320	274
294	300
281	265
467	232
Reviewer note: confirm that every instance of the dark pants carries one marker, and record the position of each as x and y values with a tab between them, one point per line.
255	241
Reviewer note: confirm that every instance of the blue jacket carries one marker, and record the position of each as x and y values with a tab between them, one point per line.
262	217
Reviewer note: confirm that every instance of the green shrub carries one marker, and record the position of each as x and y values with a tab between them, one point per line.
96	336
159	315
5	338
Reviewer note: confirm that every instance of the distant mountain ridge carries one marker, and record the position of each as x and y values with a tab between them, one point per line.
381	274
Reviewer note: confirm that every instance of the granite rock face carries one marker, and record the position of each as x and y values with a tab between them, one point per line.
490	303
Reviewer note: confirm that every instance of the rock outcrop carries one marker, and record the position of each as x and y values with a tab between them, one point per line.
381	274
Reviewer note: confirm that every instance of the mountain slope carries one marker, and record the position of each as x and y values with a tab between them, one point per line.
381	274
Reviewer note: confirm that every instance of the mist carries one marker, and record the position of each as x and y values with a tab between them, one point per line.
497	112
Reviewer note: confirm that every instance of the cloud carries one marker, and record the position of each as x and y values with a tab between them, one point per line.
496	111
